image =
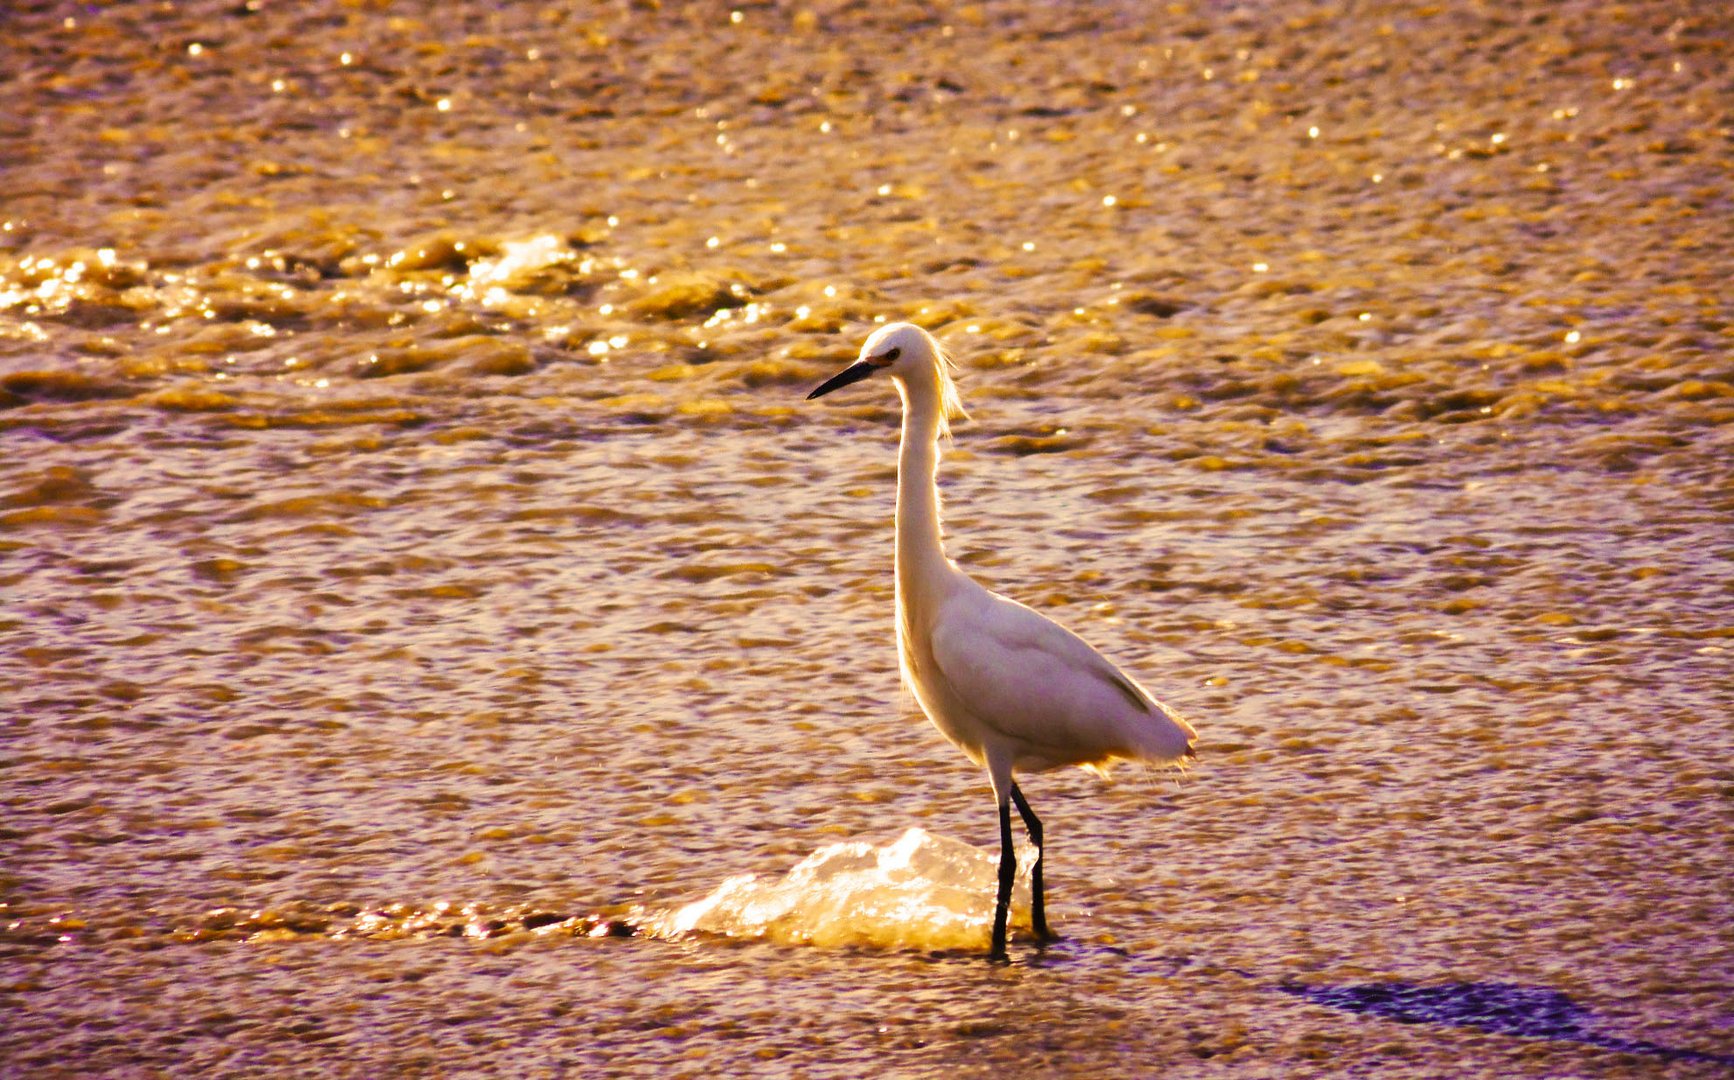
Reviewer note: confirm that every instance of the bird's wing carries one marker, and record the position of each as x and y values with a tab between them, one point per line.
1033	681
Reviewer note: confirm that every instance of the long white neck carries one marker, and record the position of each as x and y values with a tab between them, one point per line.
922	568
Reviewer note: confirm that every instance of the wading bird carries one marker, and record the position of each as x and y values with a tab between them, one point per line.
1009	687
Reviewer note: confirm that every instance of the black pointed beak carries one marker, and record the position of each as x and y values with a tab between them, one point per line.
852	374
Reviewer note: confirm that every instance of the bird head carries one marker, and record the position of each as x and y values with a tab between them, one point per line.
912	357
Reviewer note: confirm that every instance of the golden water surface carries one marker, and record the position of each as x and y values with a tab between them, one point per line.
418	563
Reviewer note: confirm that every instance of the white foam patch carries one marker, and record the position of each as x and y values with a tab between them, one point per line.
519	258
919	892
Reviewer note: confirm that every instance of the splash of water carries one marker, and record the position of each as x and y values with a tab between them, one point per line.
919	892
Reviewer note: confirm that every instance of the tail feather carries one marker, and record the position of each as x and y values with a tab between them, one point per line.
1167	738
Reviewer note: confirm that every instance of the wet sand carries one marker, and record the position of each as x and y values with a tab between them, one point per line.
417	556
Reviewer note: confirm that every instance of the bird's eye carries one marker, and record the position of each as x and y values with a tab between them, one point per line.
894	354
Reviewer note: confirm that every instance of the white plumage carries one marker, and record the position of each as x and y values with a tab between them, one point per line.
1008	686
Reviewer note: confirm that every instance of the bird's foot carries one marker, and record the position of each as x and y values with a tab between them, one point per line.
1045	935
998	956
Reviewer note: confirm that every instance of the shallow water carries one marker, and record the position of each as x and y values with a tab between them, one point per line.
418	561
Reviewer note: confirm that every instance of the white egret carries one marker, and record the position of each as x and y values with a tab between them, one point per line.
1008	686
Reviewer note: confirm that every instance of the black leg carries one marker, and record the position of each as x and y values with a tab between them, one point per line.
1008	872
1038	905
